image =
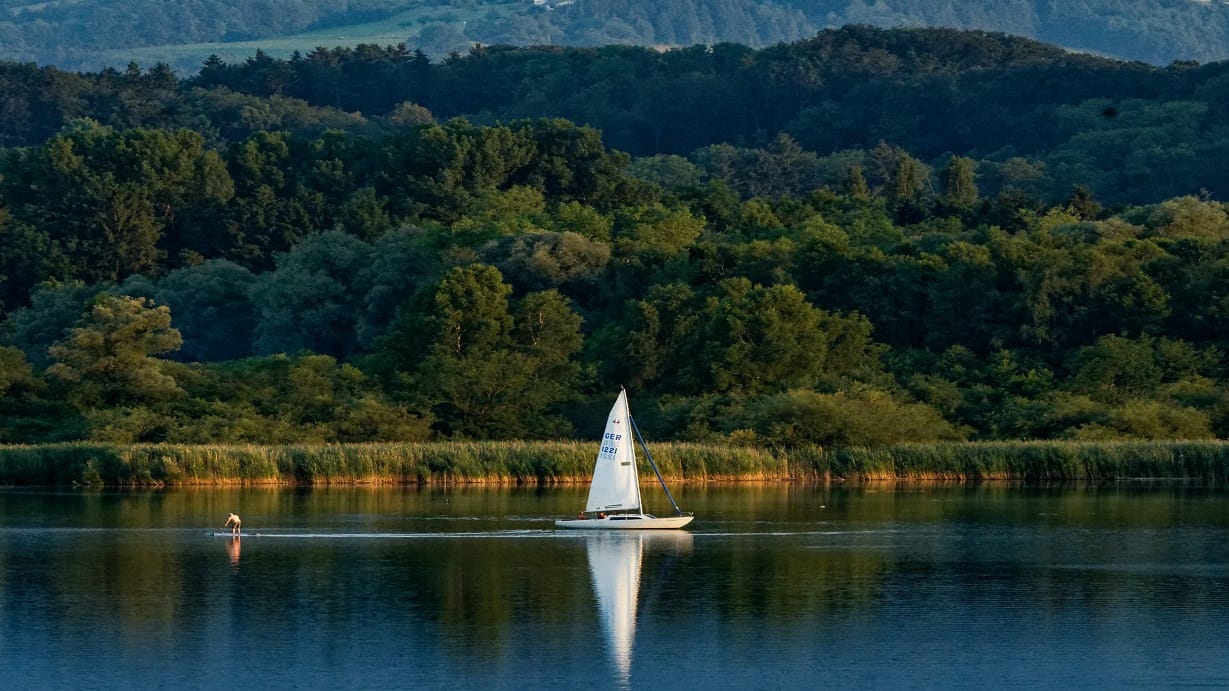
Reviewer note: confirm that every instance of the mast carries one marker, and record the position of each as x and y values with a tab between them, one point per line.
648	455
631	451
615	485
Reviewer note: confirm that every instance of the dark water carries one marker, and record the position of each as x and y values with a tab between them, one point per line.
775	587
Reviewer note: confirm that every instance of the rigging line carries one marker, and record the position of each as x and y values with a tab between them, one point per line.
640	438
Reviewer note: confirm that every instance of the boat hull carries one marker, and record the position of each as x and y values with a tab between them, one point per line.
624	521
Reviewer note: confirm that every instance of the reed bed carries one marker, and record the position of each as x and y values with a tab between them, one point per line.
86	463
542	463
1035	461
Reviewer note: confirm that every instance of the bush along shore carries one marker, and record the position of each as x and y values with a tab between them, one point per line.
543	463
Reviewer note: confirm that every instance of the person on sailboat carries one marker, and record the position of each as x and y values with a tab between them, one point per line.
233	522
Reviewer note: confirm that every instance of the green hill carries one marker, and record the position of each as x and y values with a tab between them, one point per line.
89	34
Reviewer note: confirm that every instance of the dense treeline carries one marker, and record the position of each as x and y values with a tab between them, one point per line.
1035	119
89	34
198	265
455	281
1032	112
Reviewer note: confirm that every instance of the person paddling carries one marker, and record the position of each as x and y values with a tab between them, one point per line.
233	522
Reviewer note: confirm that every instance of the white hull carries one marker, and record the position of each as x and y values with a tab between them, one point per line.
626	521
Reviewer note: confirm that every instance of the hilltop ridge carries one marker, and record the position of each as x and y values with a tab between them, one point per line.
90	34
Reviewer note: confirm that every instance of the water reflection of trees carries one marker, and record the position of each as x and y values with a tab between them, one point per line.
994	546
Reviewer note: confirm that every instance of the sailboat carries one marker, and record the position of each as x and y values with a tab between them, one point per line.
614	492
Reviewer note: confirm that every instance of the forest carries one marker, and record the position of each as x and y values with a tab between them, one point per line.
230	258
1036	119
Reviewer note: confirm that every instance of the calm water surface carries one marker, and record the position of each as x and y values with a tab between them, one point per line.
775	587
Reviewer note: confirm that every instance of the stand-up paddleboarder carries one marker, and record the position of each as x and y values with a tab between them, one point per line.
233	522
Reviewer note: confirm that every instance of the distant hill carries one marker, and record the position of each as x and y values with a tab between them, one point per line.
91	34
1035	118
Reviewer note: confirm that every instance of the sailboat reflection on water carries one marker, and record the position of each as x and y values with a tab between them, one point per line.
614	562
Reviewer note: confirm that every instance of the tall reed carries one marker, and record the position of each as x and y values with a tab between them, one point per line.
1035	460
88	463
512	462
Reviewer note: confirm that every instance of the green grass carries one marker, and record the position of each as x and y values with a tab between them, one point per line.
402	27
541	463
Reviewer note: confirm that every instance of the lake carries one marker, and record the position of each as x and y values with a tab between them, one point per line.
775	586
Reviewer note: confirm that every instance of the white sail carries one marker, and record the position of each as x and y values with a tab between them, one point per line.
615	486
614	562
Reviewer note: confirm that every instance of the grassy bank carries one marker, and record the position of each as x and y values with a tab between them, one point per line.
85	463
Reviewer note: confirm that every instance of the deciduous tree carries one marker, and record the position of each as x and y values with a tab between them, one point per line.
109	357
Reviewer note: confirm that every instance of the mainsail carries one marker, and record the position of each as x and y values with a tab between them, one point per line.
615	486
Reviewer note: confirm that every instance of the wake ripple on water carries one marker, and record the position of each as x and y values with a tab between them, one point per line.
398	536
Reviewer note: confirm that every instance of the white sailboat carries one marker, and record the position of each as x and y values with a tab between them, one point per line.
614	492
